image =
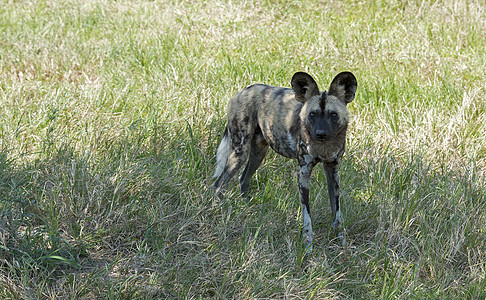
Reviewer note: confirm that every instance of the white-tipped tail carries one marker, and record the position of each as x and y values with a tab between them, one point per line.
222	154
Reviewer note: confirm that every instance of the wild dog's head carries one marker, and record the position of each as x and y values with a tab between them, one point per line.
324	114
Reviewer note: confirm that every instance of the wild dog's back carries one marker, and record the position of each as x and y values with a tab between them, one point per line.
275	112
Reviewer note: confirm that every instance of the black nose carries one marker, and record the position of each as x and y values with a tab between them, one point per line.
321	134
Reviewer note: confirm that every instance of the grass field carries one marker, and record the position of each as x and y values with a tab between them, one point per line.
111	113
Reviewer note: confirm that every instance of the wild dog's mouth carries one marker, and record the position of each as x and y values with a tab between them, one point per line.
322	140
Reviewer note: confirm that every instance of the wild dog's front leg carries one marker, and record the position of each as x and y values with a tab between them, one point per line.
332	176
306	164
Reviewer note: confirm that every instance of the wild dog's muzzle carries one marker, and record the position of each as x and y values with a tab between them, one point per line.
321	135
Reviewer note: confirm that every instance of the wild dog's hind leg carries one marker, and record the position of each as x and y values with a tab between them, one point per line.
259	148
236	153
332	176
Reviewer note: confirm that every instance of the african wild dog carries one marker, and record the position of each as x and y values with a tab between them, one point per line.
301	123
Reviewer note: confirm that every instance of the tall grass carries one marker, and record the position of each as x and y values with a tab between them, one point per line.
111	113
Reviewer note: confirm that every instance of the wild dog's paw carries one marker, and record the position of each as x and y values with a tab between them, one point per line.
336	224
308	240
246	197
341	240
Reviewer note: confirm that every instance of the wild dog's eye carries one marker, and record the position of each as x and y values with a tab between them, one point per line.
312	114
334	115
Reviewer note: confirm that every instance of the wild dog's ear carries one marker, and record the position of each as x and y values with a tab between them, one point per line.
344	87
304	86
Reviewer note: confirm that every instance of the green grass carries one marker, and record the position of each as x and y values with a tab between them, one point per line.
111	113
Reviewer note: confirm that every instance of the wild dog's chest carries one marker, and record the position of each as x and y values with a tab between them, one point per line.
323	151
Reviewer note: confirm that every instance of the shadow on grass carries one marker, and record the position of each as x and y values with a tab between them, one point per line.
66	213
31	246
119	220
